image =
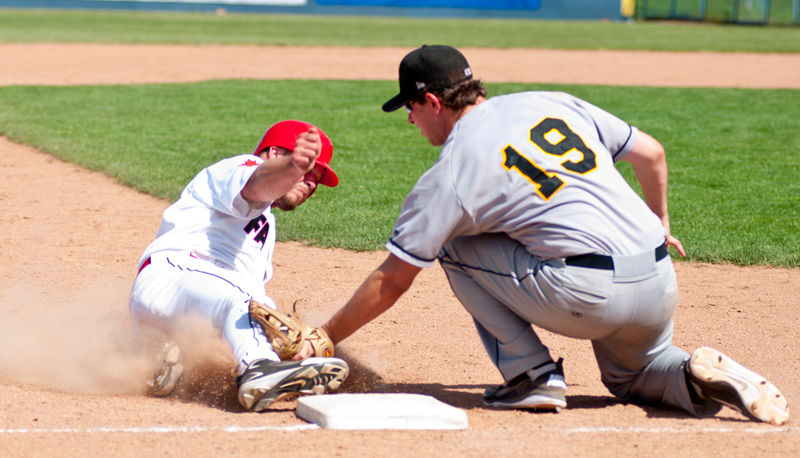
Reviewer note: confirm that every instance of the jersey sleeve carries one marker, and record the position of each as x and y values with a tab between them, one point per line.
226	179
431	215
615	134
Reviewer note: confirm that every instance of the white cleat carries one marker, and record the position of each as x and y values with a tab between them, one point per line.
264	381
168	373
718	378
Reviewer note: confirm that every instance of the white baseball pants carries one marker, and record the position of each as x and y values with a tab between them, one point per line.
176	286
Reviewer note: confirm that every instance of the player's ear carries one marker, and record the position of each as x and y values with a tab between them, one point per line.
434	101
273	152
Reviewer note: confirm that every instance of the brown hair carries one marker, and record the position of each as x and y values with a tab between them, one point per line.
459	95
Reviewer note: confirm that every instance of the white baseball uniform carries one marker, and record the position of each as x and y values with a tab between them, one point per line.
524	187
212	254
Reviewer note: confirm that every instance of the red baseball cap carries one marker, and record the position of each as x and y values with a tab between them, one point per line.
285	133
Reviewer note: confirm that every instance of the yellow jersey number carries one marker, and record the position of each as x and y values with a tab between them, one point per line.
552	136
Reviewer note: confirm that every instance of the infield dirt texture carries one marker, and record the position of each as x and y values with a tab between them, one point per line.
71	377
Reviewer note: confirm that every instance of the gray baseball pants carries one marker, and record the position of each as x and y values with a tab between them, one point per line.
625	312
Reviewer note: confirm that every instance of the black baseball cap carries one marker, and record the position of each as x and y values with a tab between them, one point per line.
428	69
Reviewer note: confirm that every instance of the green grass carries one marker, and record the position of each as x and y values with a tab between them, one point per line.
263	29
155	138
733	154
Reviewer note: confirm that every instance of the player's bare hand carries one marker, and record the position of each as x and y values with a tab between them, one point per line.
306	150
672	241
306	352
675	243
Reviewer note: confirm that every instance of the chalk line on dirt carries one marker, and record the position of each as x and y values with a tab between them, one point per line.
162	429
309	427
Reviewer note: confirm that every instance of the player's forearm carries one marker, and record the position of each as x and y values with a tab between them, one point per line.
378	293
369	301
272	179
650	166
653	180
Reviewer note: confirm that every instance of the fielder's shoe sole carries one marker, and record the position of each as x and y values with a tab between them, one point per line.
168	373
717	377
547	392
265	382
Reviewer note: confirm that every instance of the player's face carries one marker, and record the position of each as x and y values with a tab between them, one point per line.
425	116
301	191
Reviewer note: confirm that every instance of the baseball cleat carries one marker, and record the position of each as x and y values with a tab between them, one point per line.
168	373
265	381
547	392
716	377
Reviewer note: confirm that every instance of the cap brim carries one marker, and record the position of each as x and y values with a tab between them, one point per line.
329	178
397	101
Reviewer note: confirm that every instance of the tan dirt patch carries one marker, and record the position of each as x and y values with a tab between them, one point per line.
70	377
47	64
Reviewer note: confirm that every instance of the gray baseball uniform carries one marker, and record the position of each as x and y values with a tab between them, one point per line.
524	187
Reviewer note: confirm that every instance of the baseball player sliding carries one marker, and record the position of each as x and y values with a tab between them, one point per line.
533	224
213	255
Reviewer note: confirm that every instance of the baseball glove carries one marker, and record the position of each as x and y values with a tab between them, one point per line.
287	333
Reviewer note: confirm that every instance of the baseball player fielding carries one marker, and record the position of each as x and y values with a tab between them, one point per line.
534	225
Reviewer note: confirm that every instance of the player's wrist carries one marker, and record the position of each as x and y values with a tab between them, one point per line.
327	329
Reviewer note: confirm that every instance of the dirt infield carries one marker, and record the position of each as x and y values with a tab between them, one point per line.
71	376
128	64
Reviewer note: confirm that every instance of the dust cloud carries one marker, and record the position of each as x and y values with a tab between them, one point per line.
84	343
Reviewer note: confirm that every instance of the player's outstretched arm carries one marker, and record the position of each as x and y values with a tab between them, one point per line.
649	162
378	293
280	172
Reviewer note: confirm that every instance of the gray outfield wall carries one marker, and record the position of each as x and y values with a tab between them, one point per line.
523	9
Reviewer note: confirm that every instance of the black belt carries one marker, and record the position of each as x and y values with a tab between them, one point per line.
599	261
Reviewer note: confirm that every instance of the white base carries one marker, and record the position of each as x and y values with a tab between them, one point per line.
380	411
